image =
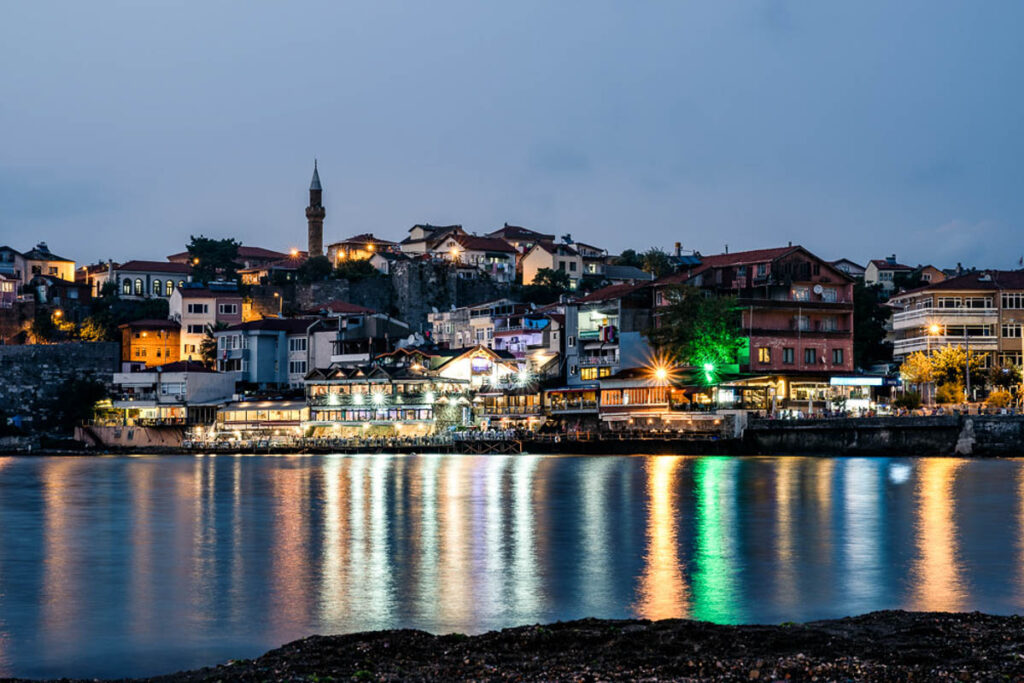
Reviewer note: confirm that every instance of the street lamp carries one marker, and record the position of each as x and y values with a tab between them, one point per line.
280	304
933	331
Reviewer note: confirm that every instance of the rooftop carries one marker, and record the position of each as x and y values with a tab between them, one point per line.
154	267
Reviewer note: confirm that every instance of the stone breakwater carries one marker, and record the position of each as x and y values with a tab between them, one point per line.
966	435
881	646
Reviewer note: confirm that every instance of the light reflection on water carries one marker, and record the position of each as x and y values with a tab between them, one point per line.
135	566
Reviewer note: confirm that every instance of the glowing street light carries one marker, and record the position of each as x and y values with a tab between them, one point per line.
294	252
378	398
660	374
357	399
429	397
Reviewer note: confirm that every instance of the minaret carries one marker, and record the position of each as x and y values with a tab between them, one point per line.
315	216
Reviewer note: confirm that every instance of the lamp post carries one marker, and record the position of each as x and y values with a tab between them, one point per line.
280	304
932	331
967	367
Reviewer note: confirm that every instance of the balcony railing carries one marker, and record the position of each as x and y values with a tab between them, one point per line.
390	401
510	410
920	317
591	361
570	405
903	347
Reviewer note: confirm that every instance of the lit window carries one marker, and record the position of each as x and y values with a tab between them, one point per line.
764	355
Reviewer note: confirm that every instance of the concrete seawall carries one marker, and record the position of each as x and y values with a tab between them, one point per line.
979	435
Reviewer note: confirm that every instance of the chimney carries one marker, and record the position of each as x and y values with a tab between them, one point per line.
891	259
726	247
679	249
791	243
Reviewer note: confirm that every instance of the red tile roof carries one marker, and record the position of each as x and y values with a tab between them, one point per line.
152	324
154	267
883	264
611	292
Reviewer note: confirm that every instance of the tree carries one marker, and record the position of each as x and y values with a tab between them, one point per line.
869	320
1004	376
699	330
314	269
354	270
208	347
1000	398
213	259
916	369
75	401
548	284
629	258
948	366
110	311
657	262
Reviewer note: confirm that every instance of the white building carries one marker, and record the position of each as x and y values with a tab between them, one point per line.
199	308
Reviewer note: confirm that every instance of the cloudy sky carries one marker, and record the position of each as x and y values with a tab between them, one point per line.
856	129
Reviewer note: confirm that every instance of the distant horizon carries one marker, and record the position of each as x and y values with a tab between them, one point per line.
856	131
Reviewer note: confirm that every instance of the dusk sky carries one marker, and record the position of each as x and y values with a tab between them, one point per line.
855	129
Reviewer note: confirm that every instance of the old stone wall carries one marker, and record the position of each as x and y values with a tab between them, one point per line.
969	435
32	376
411	291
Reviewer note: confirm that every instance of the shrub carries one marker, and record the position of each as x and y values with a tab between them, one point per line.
951	392
999	399
909	400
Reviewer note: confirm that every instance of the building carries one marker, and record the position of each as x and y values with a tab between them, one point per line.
423	237
198	308
470	325
493	256
12	264
983	310
280	271
533	339
50	290
625	275
9	286
885	272
593	259
520	238
359	248
553	256
180	393
315	214
604	332
248	257
277	421
373	400
272	353
477	366
384	260
95	276
349	335
796	310
148	343
147	279
41	261
850	268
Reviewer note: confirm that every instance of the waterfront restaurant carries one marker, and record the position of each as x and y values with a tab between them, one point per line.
510	408
262	418
173	394
638	399
378	401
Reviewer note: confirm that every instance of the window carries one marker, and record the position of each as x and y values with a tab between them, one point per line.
158	288
138	287
837	356
1011	330
572	340
801	322
801	294
829	324
297	367
787	356
298	344
764	355
978	302
561	265
198	308
810	356
829	294
762	269
816	269
885	275
947	302
741	272
196	329
126	287
180	283
1013	300
572	265
227	309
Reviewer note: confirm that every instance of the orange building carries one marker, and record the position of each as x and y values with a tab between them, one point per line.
146	343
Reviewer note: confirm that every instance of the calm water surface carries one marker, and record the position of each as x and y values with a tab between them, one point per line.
135	566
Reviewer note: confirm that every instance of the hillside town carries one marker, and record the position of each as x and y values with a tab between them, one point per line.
439	330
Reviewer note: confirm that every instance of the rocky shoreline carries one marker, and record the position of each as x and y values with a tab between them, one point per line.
890	646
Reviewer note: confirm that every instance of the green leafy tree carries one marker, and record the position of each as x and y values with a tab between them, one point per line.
314	269
75	402
208	346
948	366
355	269
213	259
110	311
916	369
699	330
548	284
869	320
656	262
1003	376
629	258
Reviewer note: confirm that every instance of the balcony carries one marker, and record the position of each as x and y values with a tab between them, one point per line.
597	361
499	411
572	406
924	343
922	317
390	401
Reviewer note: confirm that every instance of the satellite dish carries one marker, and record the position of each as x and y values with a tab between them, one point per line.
818	289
